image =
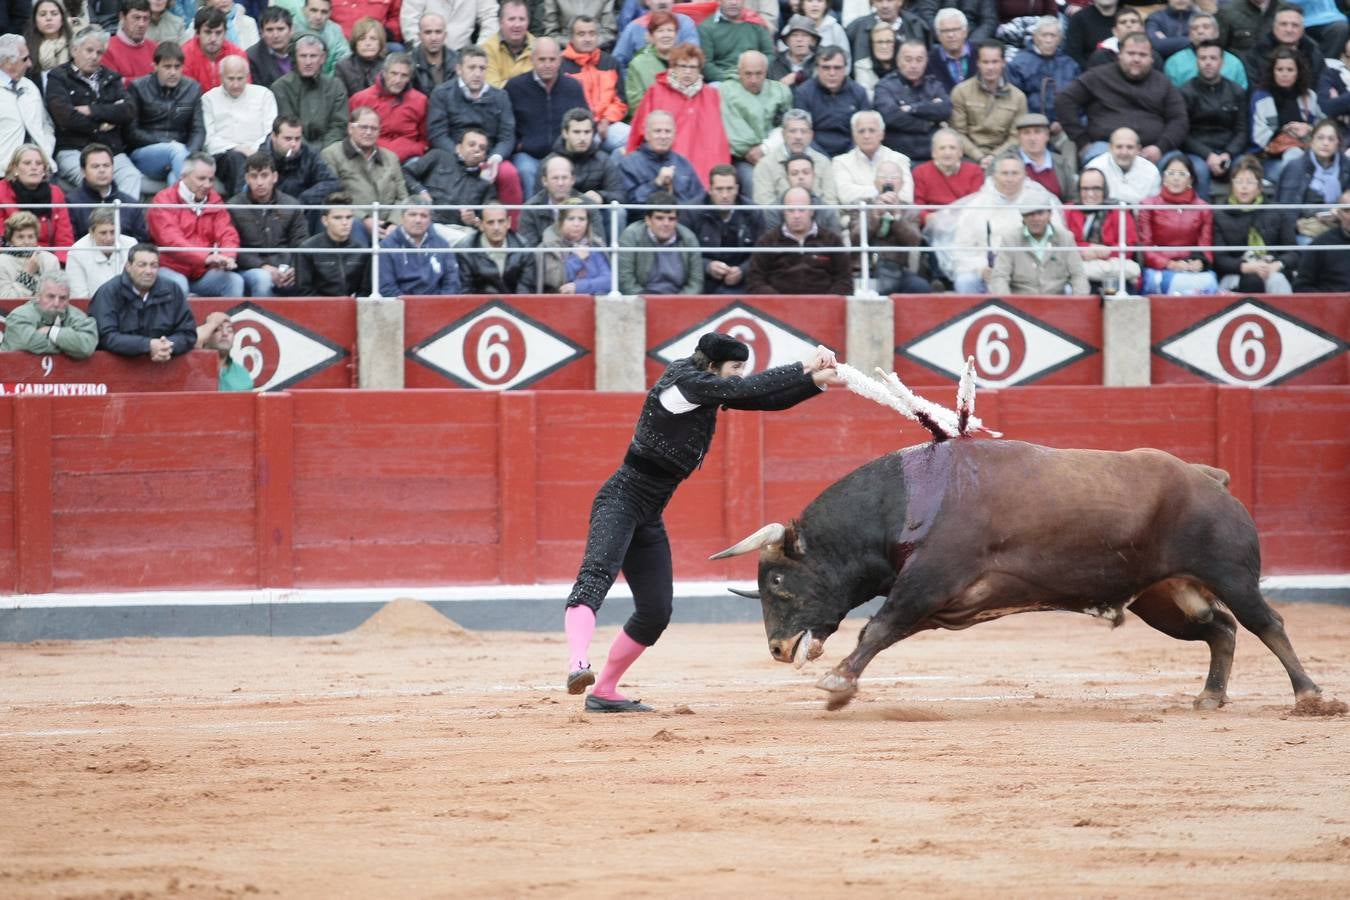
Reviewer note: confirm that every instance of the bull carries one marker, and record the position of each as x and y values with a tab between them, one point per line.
957	532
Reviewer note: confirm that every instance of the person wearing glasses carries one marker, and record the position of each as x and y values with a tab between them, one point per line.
695	108
952	60
368	172
1097	232
831	97
1184	270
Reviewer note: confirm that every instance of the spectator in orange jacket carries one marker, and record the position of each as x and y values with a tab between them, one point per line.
601	80
402	109
191	215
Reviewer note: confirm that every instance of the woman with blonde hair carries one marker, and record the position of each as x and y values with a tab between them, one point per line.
369	45
28	186
572	266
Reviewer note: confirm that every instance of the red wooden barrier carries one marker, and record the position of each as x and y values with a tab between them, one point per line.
106	373
287	342
500	343
363	488
1251	341
674	324
1051	340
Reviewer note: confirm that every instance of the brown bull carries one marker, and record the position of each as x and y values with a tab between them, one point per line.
964	531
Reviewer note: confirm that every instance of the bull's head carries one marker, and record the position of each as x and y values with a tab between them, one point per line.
801	604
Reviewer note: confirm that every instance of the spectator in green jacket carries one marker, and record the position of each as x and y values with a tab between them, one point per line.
752	108
728	33
48	324
676	271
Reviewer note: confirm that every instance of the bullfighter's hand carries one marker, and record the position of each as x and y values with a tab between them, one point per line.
827	378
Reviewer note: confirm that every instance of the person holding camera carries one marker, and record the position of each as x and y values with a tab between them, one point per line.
891	231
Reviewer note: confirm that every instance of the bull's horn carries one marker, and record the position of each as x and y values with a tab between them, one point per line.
749	595
768	535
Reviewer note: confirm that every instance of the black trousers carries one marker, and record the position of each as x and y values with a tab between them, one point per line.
626	534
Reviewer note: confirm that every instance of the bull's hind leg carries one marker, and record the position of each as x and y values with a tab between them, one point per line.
1177	608
1256	616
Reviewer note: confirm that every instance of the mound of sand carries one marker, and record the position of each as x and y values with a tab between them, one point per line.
407	618
1316	706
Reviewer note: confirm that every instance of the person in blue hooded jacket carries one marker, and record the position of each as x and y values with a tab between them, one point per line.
409	267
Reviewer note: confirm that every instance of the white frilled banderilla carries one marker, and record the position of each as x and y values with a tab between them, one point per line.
888	390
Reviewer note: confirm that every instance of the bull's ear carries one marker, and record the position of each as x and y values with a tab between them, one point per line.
749	595
794	542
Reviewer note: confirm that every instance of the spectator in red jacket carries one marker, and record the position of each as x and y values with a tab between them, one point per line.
696	108
28	186
600	78
1097	233
130	54
948	176
402	109
1180	271
190	215
348	12
203	53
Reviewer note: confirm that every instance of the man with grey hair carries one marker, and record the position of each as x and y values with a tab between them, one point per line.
1042	71
48	324
23	117
855	172
752	106
319	101
238	118
953	59
770	178
99	256
89	104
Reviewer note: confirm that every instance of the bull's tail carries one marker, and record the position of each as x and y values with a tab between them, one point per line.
1219	475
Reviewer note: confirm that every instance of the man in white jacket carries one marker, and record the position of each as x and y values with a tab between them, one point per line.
23	115
238	118
99	256
461	16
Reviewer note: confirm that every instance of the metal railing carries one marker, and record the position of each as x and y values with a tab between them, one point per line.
616	213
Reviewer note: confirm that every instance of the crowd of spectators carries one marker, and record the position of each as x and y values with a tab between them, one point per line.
1024	125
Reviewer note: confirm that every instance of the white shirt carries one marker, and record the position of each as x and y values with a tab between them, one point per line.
1141	181
91	266
855	176
23	111
233	122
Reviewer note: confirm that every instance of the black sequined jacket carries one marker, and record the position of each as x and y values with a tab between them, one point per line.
676	442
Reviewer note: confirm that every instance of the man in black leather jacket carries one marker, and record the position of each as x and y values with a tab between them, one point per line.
343	269
674	432
504	268
300	170
167	122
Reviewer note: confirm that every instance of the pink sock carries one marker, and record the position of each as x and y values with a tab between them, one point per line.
579	625
622	654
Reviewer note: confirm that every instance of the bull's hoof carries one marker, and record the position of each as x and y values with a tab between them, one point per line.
1209	701
840	688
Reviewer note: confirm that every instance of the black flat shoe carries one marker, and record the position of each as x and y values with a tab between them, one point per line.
579	680
600	704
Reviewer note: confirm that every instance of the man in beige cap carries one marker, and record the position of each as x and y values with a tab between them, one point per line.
1049	169
1038	258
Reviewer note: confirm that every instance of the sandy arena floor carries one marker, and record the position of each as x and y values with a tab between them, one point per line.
1040	755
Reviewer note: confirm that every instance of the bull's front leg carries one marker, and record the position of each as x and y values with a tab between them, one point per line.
897	619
